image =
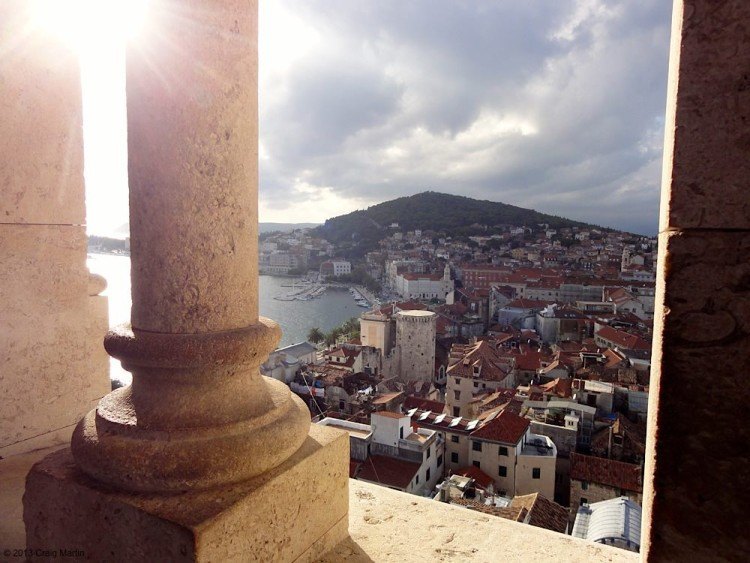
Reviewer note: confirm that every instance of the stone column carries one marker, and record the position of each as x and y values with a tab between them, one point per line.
53	368
196	341
695	496
201	458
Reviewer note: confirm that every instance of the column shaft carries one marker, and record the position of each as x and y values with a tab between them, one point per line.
193	153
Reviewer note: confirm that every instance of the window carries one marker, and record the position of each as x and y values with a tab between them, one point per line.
401	432
502	450
476	464
457	395
428	452
584	501
476	384
417	481
427	475
617	440
584	485
536	473
454	439
440	461
342	405
502	471
454	457
456	410
476	446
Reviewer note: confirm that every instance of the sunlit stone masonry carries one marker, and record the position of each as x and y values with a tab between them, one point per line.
201	456
52	365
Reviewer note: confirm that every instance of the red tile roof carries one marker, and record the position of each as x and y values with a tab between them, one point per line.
423	404
481	478
617	474
465	357
544	513
388	471
506	427
623	339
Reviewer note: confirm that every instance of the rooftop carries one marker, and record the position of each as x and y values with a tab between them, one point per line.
609	472
613	519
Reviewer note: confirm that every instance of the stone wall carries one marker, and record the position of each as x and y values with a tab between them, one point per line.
695	507
53	367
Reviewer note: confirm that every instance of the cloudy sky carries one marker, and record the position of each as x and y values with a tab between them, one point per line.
555	105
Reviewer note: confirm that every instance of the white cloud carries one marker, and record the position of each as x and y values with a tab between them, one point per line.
540	105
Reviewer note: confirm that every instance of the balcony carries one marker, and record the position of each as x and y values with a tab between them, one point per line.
384	526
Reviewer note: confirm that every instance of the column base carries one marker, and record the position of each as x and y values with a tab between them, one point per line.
294	512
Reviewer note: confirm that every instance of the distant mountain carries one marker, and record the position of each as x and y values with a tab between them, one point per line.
123	231
284	227
443	213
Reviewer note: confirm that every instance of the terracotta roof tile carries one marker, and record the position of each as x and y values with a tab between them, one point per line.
506	427
481	478
544	513
617	474
423	404
388	471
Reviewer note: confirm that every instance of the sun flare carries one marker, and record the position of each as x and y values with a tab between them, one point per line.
85	24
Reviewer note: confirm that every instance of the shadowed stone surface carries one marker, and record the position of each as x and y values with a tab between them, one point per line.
707	161
295	512
694	498
699	509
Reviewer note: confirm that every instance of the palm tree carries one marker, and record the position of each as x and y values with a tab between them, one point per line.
316	335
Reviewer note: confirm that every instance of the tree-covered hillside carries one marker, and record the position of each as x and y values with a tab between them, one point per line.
451	215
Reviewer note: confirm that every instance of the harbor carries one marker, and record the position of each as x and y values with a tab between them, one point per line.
332	305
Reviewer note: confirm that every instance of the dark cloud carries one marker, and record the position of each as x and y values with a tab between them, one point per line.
556	105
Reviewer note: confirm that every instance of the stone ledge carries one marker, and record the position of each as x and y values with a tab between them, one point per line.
384	526
389	526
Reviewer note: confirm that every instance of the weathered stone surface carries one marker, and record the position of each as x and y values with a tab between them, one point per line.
695	506
388	526
295	511
112	445
52	364
41	135
193	154
707	148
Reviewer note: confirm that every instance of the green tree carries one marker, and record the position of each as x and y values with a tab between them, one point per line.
315	335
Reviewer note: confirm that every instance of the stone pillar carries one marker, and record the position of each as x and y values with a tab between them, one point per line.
198	419
196	340
695	497
53	367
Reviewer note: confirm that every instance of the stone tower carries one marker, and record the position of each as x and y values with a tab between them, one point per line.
415	342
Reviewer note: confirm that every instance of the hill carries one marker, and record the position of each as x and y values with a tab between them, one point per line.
447	214
283	227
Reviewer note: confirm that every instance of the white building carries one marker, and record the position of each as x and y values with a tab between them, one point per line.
335	268
424	286
390	453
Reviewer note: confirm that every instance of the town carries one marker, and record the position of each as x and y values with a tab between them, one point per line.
507	372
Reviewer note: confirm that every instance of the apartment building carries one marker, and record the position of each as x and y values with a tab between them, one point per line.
501	445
